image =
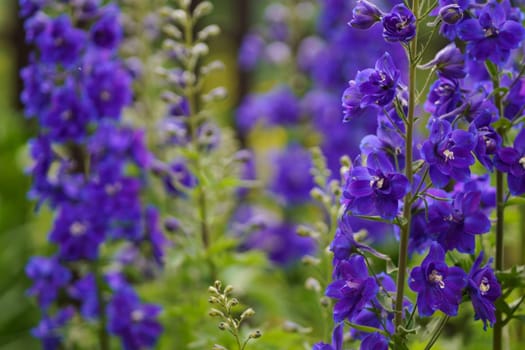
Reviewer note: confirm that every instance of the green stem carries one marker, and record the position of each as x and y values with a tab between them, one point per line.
437	332
103	336
407	212
193	124
497	340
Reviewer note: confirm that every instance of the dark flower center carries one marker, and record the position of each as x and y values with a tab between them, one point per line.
491	32
137	315
522	162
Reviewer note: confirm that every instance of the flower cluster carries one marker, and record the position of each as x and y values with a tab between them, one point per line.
426	188
90	168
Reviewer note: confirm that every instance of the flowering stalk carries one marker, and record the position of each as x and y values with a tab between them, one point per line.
407	210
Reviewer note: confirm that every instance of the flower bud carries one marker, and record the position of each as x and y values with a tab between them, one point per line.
451	14
255	335
365	15
247	313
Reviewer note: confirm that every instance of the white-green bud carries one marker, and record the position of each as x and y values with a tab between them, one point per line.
255	335
179	16
313	284
208	32
172	31
202	9
247	313
215	313
201	49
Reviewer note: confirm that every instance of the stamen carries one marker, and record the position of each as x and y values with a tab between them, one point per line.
448	154
77	229
437	278
484	286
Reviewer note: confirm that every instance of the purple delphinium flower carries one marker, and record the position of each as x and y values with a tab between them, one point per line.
109	88
484	289
371	87
250	51
511	160
337	340
365	15
48	330
106	33
489	141
68	115
374	341
378	85
399	24
444	97
448	153
48	277
133	322
352	288
154	235
438	286
292	181
78	231
457	223
491	35
85	291
451	14
61	42
376	189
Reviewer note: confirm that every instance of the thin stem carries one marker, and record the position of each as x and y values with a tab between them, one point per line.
437	332
103	336
407	212
497	343
191	94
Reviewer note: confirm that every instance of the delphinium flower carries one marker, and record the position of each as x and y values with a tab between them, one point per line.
352	287
82	158
456	223
484	289
472	106
511	160
375	189
438	286
337	340
491	35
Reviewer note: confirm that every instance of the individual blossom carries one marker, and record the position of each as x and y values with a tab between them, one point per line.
399	24
448	153
85	291
353	288
484	289
371	87
451	14
457	224
444	97
511	160
492	35
365	15
135	323
154	235
438	286
489	141
375	189
106	33
78	230
49	329
61	43
48	278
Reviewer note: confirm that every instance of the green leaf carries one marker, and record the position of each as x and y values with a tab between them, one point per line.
502	123
366	329
492	69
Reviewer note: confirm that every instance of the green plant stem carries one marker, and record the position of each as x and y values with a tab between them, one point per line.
497	339
103	336
437	332
193	131
407	212
498	326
